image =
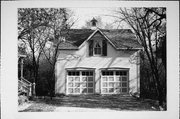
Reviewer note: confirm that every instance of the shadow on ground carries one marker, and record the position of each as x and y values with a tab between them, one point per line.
112	102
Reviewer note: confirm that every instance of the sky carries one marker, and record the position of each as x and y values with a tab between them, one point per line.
84	14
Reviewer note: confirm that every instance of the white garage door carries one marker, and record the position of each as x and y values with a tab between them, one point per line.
114	82
80	82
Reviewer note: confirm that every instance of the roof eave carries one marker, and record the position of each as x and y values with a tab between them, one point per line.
69	49
129	48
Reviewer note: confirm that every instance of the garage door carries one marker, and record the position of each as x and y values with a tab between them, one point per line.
114	82
80	82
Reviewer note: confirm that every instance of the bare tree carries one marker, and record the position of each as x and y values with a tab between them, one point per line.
32	25
58	30
149	27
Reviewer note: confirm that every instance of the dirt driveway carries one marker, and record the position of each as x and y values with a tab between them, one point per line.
90	103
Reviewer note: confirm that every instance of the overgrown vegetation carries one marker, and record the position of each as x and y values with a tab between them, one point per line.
147	82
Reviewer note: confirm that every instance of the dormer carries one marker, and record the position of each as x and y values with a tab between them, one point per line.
97	45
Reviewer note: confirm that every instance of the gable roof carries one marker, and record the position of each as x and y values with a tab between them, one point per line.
75	37
119	38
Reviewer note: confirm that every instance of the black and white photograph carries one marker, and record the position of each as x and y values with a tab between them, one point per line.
97	65
92	59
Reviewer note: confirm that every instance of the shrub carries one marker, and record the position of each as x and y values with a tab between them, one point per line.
22	99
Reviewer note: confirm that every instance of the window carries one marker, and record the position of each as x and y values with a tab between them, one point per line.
107	73
97	48
73	73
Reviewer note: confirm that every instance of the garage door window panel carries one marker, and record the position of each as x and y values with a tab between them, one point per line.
105	79
70	78
105	90
84	84
70	84
90	79
90	90
124	84
118	78
77	78
111	90
84	90
124	78
124	90
84	78
105	84
90	84
111	78
77	90
77	84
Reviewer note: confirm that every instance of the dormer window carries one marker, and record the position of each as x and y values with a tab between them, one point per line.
97	48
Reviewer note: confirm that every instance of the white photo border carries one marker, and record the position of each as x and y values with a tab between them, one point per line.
9	60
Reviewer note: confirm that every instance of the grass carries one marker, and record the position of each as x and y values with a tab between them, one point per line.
111	102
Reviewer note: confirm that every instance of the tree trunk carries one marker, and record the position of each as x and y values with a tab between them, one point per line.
155	74
158	86
52	84
35	71
159	90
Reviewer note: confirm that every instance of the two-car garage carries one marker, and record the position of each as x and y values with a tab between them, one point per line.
83	81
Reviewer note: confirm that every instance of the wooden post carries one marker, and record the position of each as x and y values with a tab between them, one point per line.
34	89
30	90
